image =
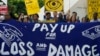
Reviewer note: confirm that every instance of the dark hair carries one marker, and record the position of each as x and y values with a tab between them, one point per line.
36	15
55	11
48	13
95	13
75	12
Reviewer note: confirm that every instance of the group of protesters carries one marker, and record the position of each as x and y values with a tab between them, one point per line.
57	18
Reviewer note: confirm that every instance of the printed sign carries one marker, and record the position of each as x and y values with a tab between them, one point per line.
93	6
54	5
32	6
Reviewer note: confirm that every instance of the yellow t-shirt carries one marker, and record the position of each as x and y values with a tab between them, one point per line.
49	21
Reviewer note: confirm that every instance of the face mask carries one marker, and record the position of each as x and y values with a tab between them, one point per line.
2	18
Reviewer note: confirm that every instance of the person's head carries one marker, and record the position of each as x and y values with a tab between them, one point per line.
83	20
74	14
7	16
48	15
55	13
95	16
87	19
26	19
35	16
60	15
73	17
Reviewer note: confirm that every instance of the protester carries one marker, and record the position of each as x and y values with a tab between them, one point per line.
73	18
35	18
87	19
77	19
7	16
67	17
26	19
21	17
48	18
55	16
61	17
95	18
84	20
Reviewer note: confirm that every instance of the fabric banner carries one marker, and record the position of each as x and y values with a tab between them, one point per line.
54	5
42	39
3	7
32	6
93	6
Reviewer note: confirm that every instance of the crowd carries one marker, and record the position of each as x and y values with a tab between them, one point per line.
57	18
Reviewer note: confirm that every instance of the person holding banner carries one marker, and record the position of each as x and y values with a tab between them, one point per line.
67	17
7	18
73	18
95	18
35	18
61	17
48	18
55	14
84	20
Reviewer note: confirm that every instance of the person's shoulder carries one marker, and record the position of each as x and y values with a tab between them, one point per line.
99	19
92	20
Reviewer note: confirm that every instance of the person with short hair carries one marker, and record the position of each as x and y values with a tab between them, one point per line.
35	18
48	18
95	18
61	18
85	19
